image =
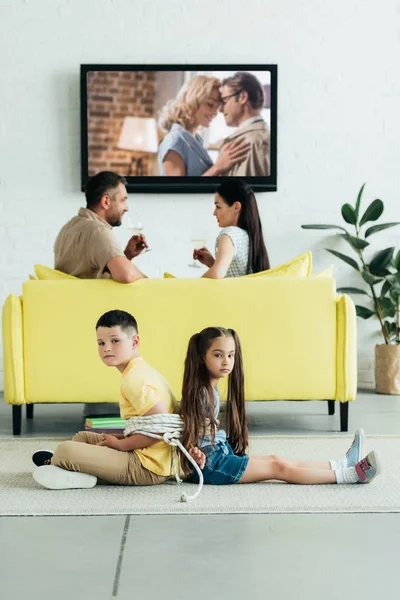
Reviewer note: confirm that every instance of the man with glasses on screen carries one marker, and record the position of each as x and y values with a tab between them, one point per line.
242	99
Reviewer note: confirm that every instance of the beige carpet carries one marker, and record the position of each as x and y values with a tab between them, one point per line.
20	495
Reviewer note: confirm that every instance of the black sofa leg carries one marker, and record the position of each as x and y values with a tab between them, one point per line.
344	416
331	407
29	411
17	415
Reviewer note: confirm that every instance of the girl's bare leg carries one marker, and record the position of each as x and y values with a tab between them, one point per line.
304	464
275	467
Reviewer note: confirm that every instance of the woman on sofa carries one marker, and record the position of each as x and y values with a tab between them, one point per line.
182	151
239	248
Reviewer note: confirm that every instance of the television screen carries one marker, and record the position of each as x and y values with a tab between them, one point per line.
180	128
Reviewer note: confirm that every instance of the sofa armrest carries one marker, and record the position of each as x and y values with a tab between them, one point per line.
346	349
13	351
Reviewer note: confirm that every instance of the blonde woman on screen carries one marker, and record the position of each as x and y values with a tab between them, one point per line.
182	151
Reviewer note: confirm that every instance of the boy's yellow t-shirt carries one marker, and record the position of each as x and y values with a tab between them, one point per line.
141	388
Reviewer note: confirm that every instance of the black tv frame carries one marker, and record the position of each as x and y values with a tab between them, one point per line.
163	184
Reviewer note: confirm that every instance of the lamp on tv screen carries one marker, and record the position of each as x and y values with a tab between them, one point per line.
180	128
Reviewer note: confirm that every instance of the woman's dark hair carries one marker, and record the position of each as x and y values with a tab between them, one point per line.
113	318
246	82
249	220
100	184
197	404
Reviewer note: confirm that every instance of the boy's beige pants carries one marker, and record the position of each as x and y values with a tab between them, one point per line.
82	455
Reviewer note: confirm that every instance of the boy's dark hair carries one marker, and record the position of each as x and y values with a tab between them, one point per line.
100	184
113	318
246	82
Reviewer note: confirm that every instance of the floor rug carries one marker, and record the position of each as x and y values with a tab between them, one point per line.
21	495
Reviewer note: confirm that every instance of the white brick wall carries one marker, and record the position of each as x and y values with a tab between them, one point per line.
339	118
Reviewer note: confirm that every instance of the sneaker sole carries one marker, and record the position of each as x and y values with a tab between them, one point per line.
55	478
378	464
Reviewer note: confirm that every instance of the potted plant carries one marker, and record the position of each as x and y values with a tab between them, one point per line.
382	275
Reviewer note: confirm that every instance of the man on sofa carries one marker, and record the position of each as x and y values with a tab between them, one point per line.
86	248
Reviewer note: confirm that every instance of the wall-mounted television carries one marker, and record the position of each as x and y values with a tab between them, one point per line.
180	128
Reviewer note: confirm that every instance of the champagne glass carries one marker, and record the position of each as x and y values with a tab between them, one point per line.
136	226
196	242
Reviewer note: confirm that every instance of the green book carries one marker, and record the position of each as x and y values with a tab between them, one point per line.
115	422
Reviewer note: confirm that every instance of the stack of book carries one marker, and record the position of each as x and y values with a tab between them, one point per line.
105	424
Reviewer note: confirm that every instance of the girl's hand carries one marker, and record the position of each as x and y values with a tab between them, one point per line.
198	456
232	153
109	440
204	256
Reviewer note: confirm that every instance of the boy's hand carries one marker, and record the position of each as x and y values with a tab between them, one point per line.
198	456
109	440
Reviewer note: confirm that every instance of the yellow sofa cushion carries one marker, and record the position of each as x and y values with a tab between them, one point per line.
325	273
300	266
43	272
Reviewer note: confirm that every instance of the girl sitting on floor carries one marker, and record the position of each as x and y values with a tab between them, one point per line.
215	353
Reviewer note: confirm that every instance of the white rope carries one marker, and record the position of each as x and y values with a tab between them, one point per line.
169	428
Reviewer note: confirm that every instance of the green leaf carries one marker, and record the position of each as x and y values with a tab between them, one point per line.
351	290
380	261
358	202
323	227
385	288
373	212
396	261
349	214
394	294
371	279
346	259
388	308
355	243
363	312
391	327
376	228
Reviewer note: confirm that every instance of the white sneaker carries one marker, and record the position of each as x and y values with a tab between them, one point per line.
55	478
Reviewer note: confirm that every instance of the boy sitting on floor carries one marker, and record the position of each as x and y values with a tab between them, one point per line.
134	460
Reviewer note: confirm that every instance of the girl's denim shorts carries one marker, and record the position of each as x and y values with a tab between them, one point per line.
222	466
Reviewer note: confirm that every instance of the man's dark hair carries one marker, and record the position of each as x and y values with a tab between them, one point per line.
246	82
113	318
100	184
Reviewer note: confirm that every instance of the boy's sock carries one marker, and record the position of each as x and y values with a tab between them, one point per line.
353	454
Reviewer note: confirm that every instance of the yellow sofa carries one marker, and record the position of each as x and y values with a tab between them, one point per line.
298	337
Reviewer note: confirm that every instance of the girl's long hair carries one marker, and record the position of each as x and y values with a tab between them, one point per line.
249	220
197	394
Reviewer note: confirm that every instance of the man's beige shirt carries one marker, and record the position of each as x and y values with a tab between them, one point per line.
257	162
85	245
